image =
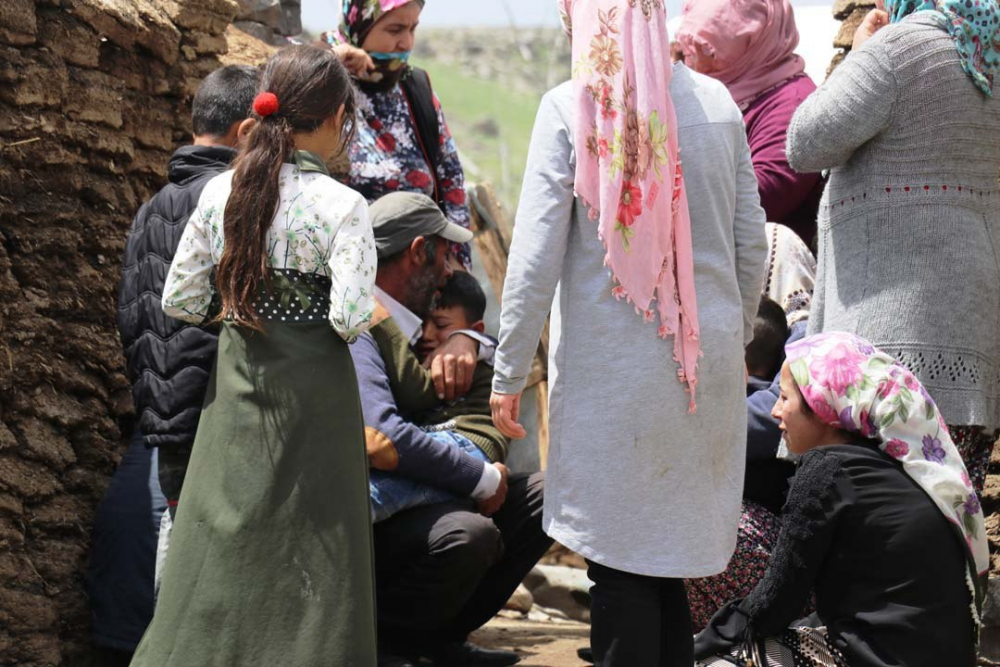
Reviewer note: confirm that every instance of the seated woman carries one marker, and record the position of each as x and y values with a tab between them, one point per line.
402	140
749	45
881	522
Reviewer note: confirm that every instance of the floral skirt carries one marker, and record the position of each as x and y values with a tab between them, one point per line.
975	444
796	647
756	538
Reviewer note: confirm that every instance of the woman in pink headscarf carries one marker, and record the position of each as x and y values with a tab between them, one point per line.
659	271
749	46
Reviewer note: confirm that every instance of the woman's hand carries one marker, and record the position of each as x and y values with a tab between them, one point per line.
506	408
874	21
357	61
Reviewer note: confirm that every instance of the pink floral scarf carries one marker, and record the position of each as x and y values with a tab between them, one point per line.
851	385
628	169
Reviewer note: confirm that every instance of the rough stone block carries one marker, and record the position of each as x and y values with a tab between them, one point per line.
99	139
129	23
37	78
843	8
256	30
291	19
24	612
245	49
206	44
46	444
71	40
211	16
94	97
26	480
152	126
267	12
11	533
18	24
7	440
10	506
845	38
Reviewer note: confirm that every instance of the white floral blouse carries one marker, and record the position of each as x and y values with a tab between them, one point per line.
321	228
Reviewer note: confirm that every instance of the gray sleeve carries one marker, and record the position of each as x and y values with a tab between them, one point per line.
541	234
852	107
750	238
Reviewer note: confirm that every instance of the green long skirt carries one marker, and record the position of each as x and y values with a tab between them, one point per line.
270	561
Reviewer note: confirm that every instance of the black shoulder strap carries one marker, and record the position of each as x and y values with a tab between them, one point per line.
417	88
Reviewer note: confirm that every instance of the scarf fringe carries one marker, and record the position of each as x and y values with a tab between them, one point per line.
690	333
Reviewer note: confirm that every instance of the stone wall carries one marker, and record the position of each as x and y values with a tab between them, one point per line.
94	96
270	20
849	13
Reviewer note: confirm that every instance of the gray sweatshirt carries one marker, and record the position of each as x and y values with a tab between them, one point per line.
633	481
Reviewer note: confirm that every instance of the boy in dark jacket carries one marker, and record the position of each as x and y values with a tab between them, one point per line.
168	363
466	423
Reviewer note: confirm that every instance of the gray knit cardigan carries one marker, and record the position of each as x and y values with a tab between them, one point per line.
909	225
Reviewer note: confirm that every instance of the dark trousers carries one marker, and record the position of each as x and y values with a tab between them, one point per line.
639	621
443	570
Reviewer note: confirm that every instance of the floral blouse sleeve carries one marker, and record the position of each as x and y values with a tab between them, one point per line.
187	293
352	266
451	178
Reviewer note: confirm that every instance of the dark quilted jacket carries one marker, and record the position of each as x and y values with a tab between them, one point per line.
168	361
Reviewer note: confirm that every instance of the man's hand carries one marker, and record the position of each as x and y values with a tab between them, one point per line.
491	506
506	409
357	61
452	365
874	21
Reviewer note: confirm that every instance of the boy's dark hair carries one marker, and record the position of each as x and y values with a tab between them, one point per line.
311	86
765	354
464	291
224	98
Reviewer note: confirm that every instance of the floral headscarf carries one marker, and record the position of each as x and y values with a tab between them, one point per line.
851	385
790	271
628	169
973	24
752	43
359	16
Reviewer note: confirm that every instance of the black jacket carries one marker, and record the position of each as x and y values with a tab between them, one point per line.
168	361
887	568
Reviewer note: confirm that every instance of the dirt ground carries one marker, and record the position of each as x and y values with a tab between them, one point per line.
539	644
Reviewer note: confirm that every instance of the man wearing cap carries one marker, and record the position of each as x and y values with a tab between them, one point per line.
442	570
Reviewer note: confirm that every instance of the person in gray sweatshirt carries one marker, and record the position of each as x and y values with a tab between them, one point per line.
909	225
645	490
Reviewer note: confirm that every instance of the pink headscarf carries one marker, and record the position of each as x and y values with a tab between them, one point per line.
752	41
628	170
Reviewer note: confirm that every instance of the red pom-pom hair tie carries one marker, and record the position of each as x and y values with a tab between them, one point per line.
265	104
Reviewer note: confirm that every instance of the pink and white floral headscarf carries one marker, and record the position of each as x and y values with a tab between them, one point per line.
851	385
628	170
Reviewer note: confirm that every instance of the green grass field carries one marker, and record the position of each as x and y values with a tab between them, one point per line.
491	126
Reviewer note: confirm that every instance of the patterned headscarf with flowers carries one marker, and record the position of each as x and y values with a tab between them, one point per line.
628	170
853	386
973	24
359	16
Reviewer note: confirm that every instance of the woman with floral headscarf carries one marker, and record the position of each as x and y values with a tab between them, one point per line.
749	45
403	141
881	522
909	225
659	272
